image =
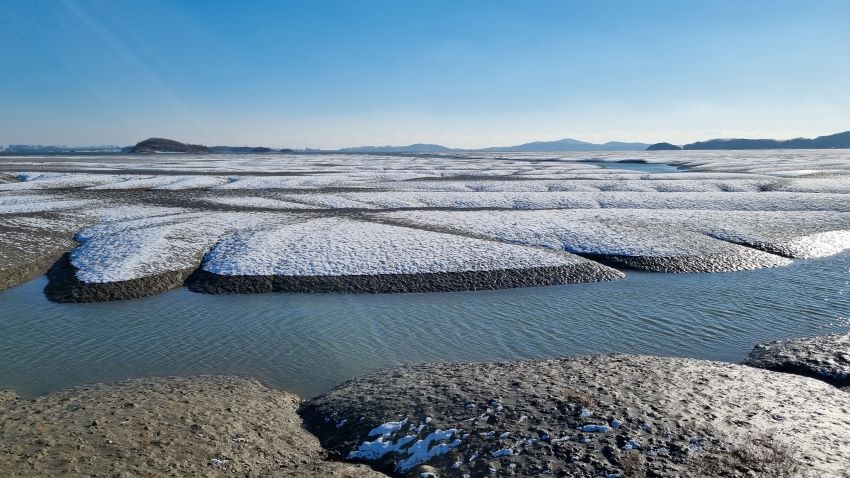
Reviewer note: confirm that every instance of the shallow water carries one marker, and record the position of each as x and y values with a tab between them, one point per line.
635	166
308	343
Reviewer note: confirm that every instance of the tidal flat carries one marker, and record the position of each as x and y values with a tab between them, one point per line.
307	270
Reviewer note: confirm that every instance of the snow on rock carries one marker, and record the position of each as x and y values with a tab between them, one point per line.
375	450
434	444
421	451
388	428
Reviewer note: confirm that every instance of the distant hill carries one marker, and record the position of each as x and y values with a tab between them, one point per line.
663	147
162	145
833	141
31	149
535	147
413	148
241	149
568	144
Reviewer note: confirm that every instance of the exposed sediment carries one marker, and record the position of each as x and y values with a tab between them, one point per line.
736	260
200	426
825	357
26	253
64	286
207	282
387	223
587	416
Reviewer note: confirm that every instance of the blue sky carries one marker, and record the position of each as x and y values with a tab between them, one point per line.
460	73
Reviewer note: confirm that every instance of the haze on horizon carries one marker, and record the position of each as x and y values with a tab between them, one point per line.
329	74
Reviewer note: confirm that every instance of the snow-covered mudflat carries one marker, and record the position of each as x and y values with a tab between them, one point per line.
127	221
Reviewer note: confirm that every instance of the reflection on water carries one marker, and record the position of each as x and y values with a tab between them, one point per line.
308	343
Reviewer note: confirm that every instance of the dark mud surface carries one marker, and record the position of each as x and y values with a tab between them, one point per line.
200	426
588	416
203	281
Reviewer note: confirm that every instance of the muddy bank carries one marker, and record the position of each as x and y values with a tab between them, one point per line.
201	426
741	260
207	282
26	253
587	416
824	357
63	285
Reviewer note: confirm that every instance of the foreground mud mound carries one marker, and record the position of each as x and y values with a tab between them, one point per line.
824	357
206	426
623	416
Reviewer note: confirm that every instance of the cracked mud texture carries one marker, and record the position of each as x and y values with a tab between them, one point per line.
825	357
590	416
200	426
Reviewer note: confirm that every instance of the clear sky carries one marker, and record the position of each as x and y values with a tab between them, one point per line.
317	73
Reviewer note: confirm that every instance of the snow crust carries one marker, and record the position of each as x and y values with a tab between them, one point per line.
643	232
29	203
578	231
340	246
125	249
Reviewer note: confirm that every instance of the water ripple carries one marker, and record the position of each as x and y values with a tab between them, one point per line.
308	343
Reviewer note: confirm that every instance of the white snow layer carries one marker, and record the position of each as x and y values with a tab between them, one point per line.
649	233
32	203
338	246
793	203
123	249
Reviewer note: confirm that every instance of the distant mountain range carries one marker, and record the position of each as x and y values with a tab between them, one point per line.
413	148
162	145
566	144
839	140
25	149
833	141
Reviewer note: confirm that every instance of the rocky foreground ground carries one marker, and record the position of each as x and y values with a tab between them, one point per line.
588	416
201	426
623	416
